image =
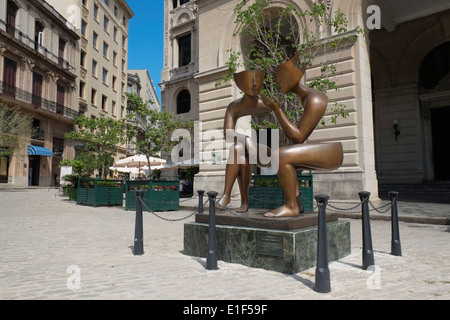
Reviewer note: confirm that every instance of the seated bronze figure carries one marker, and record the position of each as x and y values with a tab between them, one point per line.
238	167
300	155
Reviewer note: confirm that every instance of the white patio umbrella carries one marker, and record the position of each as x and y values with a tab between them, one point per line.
138	161
124	169
163	166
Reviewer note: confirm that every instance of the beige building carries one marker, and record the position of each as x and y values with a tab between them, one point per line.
61	58
379	78
179	90
103	29
147	91
38	72
140	84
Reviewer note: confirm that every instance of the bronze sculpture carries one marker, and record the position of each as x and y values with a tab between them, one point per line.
238	166
310	156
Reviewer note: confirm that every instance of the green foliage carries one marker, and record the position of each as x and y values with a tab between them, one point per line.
72	179
89	161
78	166
270	36
15	129
102	137
150	129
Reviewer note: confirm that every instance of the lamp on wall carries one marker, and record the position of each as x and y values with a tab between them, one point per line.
396	131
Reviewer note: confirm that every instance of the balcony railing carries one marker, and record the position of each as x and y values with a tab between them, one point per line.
25	39
37	134
36	101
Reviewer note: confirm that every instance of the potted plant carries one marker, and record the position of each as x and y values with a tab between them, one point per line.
71	190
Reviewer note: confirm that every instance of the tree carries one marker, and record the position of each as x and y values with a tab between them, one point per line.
271	36
15	129
102	137
150	129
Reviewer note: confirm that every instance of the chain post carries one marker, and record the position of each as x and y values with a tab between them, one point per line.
322	280
138	229
396	248
211	255
200	200
368	258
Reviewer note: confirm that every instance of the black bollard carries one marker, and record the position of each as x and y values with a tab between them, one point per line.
396	248
322	284
200	200
368	259
138	229
211	255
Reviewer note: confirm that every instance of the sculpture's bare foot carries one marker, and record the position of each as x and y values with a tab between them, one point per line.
242	208
282	212
223	202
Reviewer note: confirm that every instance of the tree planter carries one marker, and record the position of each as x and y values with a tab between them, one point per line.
97	192
159	195
266	192
71	192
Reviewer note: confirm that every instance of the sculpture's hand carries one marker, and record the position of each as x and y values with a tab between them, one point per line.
272	105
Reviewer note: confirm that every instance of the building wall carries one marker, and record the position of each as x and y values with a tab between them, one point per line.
89	18
396	59
179	22
55	117
148	91
213	25
101	93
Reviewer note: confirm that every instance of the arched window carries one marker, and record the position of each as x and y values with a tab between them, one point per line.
183	102
435	66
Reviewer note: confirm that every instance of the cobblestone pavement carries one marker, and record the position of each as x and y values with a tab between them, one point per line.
50	248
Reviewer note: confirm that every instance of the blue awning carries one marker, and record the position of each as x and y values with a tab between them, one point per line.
39	151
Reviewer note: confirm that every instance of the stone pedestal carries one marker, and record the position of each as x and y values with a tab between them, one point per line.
261	244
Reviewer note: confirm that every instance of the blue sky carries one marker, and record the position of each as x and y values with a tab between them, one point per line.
146	38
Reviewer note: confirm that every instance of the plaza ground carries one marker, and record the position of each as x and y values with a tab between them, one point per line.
53	249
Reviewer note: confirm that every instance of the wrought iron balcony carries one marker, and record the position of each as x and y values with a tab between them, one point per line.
37	102
20	36
38	134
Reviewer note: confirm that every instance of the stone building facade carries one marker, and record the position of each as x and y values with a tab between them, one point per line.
379	80
76	53
38	73
103	29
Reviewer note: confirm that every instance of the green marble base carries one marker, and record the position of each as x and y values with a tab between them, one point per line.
286	251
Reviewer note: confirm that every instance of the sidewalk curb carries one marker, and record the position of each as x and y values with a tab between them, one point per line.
408	219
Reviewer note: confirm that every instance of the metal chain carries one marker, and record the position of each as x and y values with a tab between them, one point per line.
171	220
237	214
389	205
337	209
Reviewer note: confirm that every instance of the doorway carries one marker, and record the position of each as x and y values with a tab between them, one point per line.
34	170
4	164
441	147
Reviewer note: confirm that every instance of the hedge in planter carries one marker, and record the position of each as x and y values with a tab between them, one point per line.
266	192
100	192
159	195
